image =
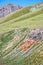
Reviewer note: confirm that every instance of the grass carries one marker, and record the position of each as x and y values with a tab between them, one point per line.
31	20
22	21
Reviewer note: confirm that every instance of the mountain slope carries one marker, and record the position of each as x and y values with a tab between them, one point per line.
23	21
17	28
7	9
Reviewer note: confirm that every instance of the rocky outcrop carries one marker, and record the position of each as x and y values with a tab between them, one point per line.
36	34
5	10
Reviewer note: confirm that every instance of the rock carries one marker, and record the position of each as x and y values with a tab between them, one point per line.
36	34
5	10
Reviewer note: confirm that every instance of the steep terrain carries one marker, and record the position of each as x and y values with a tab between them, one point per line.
21	37
7	9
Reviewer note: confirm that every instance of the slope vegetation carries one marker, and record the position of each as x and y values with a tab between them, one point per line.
17	28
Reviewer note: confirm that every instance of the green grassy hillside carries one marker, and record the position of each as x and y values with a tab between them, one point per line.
30	20
14	29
